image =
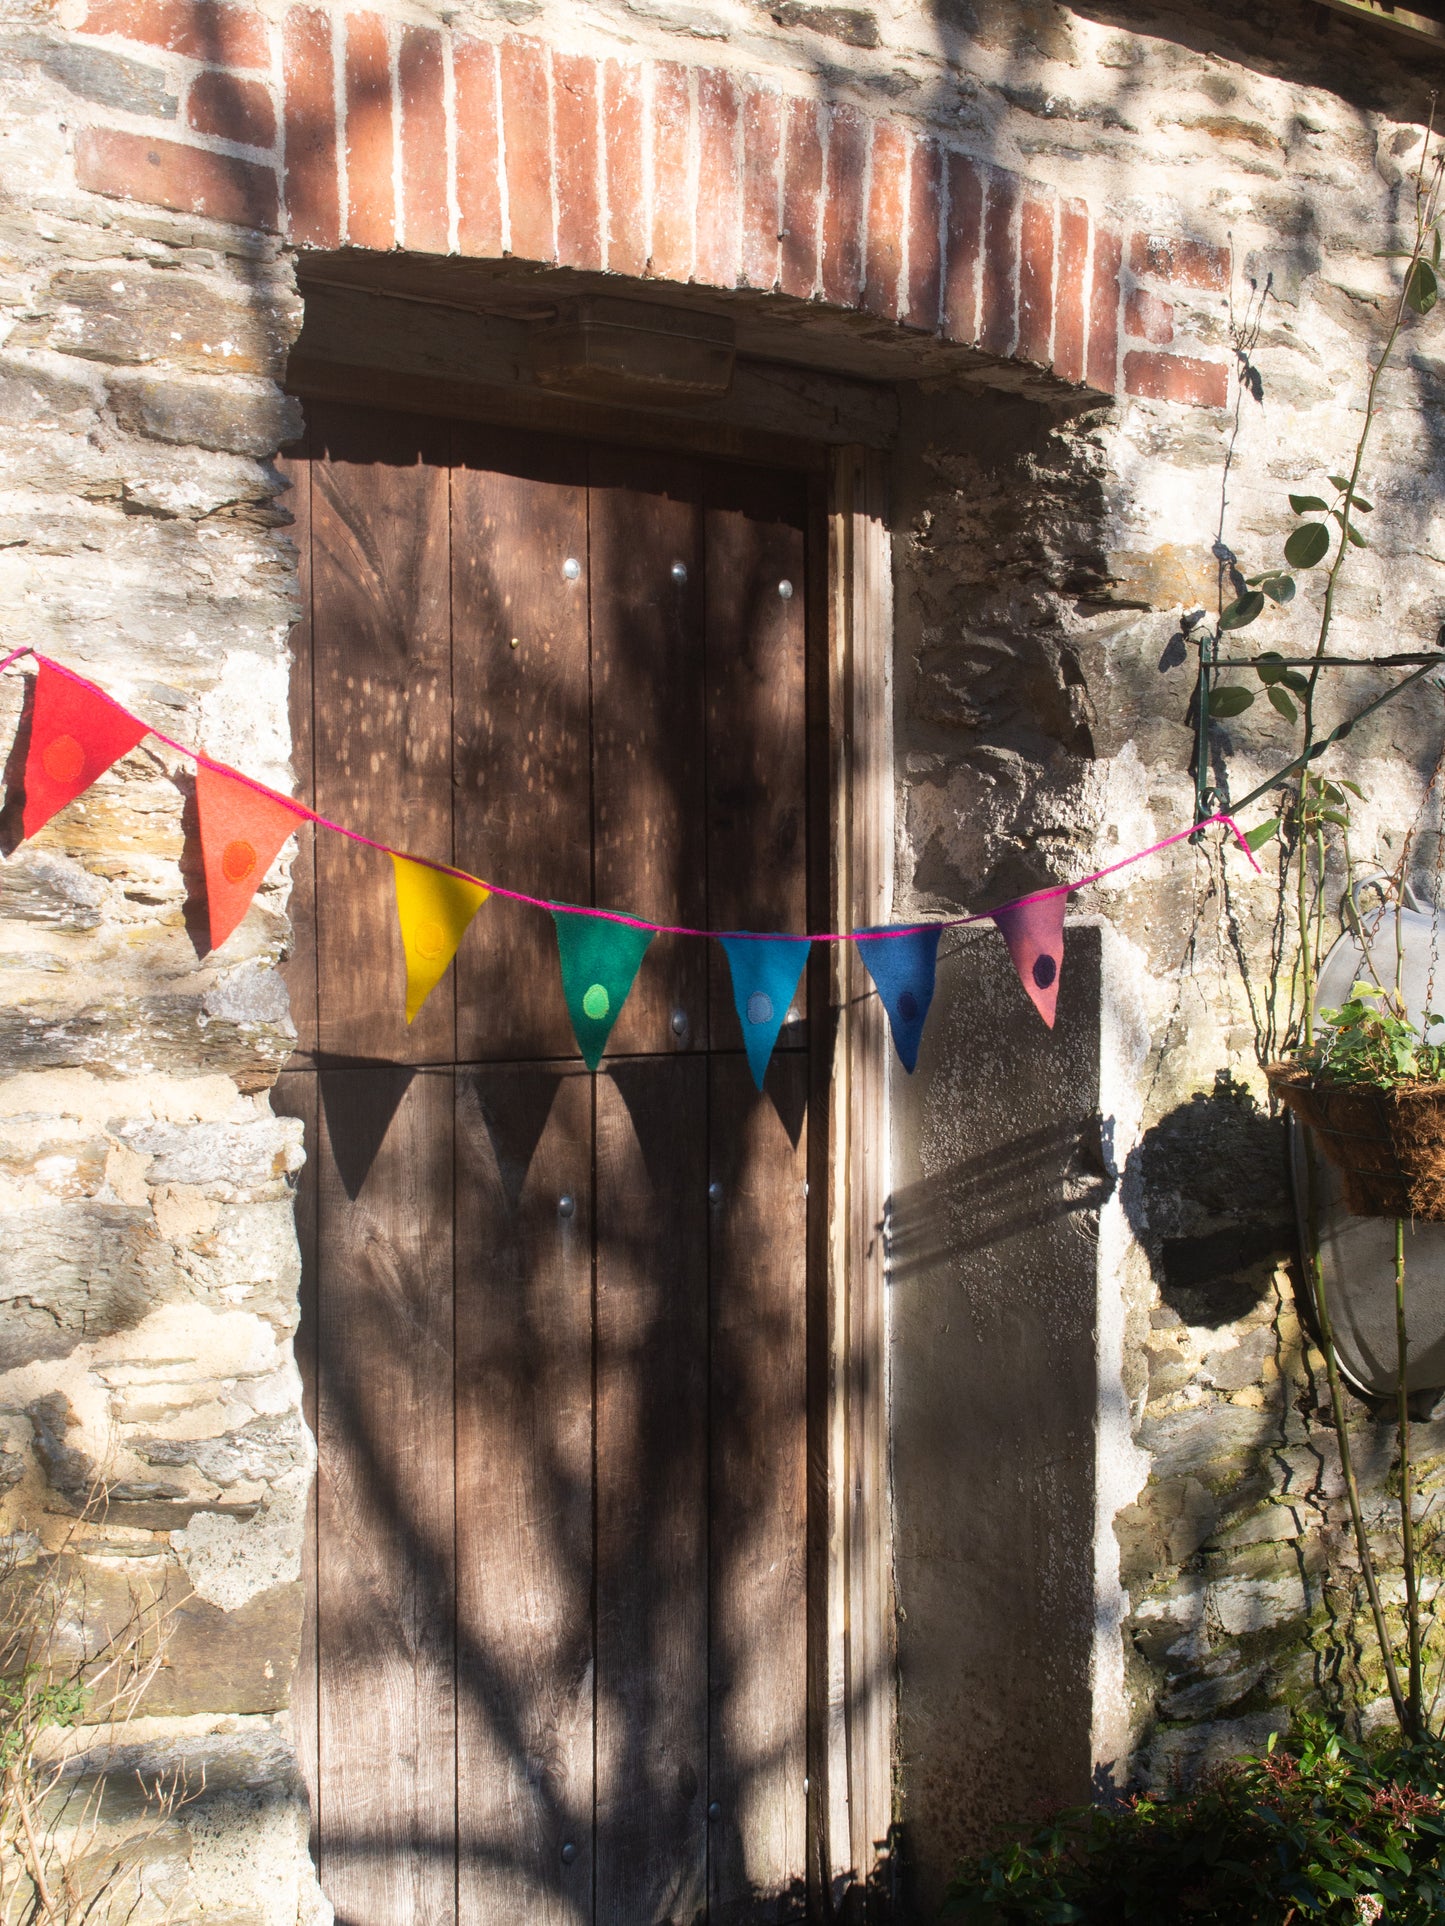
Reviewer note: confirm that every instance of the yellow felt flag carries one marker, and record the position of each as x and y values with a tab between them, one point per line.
434	911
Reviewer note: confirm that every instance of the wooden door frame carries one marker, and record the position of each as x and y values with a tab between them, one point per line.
851	1669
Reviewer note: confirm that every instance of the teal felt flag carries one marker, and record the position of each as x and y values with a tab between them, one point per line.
903	967
599	961
765	973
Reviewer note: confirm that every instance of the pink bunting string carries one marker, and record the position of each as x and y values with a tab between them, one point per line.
621	916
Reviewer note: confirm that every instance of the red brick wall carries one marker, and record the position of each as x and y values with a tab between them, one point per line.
351	128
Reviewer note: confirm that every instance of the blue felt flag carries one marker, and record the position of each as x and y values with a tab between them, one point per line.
765	974
903	968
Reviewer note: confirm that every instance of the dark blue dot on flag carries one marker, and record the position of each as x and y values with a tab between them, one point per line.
903	966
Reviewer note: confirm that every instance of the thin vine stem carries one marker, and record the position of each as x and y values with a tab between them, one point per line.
1407	1493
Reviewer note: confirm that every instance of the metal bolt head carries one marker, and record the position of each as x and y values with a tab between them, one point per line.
569	1853
679	573
714	1192
785	589
566	1204
679	1023
714	1811
571	568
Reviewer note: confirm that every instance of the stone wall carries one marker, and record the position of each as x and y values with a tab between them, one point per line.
1046	543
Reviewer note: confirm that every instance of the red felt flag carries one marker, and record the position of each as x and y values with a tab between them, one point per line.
76	733
1034	933
241	830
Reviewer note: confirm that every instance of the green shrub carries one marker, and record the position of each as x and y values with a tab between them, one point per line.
1319	1829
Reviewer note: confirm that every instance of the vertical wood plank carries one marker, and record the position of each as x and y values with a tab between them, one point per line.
294	1095
652	1386
524	1495
385	1512
757	809
860	1605
299	969
759	1562
523	791
646	523
383	702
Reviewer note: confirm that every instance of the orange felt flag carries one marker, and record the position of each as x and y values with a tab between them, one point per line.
76	733
241	830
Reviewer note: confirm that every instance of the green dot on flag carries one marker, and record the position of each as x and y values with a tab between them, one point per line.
599	957
596	1002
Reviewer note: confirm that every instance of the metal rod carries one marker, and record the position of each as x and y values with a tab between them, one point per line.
1335	735
1437	656
1201	732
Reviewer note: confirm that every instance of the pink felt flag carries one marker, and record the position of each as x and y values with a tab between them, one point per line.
76	733
1034	932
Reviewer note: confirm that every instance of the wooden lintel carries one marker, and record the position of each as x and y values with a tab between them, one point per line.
1419	26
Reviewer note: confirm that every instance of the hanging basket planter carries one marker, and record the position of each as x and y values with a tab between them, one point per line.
1387	1145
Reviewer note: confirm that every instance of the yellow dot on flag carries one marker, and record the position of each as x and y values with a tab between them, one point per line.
596	1002
430	939
238	859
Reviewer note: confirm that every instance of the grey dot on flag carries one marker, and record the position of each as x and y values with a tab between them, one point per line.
1045	970
760	1007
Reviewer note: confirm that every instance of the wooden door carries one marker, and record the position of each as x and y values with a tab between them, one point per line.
554	1324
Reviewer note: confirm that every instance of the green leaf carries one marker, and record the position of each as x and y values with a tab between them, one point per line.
1356	537
1340	481
1279	588
1285	704
1422	288
1435	247
1293	679
1270	667
1331	815
1231	701
1257	838
1365	508
1307	505
1353	787
1308	545
1241	613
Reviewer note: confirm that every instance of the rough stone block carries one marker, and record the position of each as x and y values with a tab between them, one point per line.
79	1271
220	415
163	173
854	26
209	30
231	108
35	391
137	316
313	211
370	189
93	73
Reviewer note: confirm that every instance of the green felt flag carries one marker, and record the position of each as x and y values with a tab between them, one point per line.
599	961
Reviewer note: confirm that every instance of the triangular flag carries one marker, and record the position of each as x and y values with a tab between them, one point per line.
599	960
76	733
1034	932
241	830
765	974
435	911
903	968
